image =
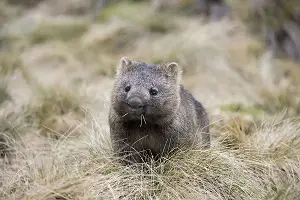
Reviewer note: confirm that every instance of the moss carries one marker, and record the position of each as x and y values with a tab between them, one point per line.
240	108
53	31
125	10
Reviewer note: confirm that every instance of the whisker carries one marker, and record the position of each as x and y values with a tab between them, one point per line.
125	115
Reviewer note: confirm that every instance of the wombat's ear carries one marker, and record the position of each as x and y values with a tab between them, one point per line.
174	70
124	64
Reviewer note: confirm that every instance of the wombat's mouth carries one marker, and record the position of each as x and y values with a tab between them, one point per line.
136	111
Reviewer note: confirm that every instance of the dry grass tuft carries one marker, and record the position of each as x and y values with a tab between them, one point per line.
54	110
85	168
235	132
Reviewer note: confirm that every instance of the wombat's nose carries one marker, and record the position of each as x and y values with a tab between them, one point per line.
135	103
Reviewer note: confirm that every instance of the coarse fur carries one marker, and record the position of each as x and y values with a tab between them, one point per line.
152	114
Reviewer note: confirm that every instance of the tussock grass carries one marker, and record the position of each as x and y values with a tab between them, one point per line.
284	100
12	126
85	168
54	109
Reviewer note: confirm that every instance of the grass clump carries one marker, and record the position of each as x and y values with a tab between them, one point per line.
58	31
285	100
12	127
54	110
85	168
235	132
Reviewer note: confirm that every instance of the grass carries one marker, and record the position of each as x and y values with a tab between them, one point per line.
88	170
240	108
4	93
119	40
157	23
125	10
58	31
286	100
54	110
9	62
250	158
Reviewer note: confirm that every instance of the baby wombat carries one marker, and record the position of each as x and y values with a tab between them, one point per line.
151	113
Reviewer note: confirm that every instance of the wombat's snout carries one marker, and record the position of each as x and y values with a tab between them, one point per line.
135	103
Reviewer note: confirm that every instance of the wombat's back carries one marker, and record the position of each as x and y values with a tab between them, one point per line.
196	112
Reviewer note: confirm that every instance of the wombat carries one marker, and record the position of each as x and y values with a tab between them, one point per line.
152	114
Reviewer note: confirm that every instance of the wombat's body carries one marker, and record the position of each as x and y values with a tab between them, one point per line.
152	114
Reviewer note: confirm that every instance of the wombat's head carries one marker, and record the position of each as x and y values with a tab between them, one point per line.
144	90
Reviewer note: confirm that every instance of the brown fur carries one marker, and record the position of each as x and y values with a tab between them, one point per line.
143	123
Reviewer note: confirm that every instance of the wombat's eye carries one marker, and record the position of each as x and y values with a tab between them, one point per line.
153	91
127	88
